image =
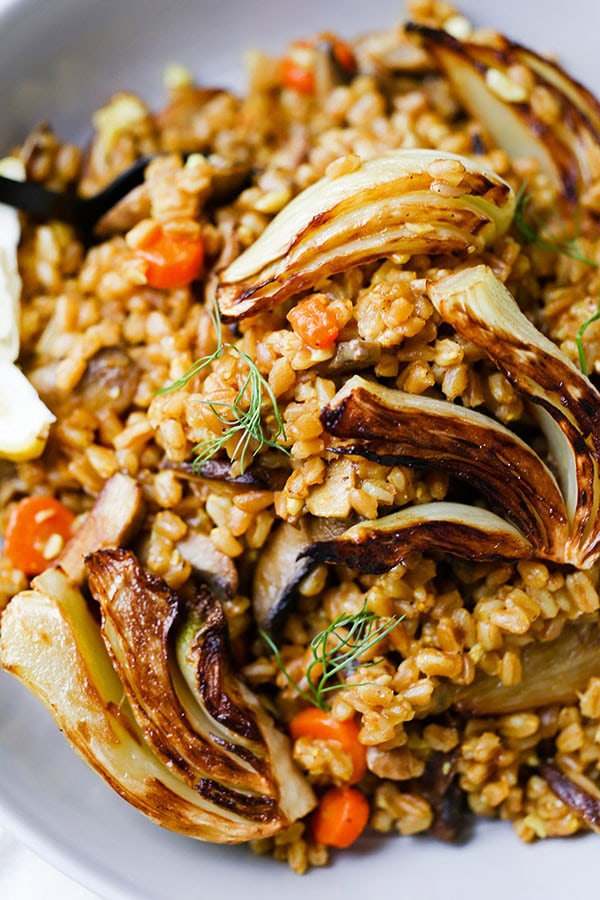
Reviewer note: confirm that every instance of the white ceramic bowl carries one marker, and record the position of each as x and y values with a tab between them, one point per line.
59	60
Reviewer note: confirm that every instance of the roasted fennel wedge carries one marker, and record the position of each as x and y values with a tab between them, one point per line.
395	428
403	202
205	665
551	519
566	145
481	309
452	528
53	644
552	672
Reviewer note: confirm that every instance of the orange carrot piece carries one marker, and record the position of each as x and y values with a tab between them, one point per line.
31	525
313	722
314	322
297	69
344	55
341	817
172	260
296	77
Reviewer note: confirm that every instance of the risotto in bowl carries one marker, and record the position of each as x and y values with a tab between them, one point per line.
299	447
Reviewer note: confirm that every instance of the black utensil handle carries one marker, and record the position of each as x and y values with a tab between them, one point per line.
37	200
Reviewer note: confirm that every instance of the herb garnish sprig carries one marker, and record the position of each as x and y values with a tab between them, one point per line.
536	232
241	419
335	650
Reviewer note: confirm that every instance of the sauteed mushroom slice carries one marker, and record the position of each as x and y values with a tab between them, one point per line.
52	643
439	786
576	791
214	567
134	207
566	146
109	382
257	475
405	201
278	572
453	528
480	308
227	180
282	566
111	522
351	356
396	428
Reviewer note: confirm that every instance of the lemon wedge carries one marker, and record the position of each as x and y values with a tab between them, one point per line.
24	420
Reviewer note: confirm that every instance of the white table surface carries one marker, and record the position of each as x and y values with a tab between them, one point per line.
24	876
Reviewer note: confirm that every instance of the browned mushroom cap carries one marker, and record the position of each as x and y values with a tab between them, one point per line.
480	308
396	428
452	528
567	148
405	201
196	716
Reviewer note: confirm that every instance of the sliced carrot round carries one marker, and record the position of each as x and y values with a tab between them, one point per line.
340	817
37	528
297	69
